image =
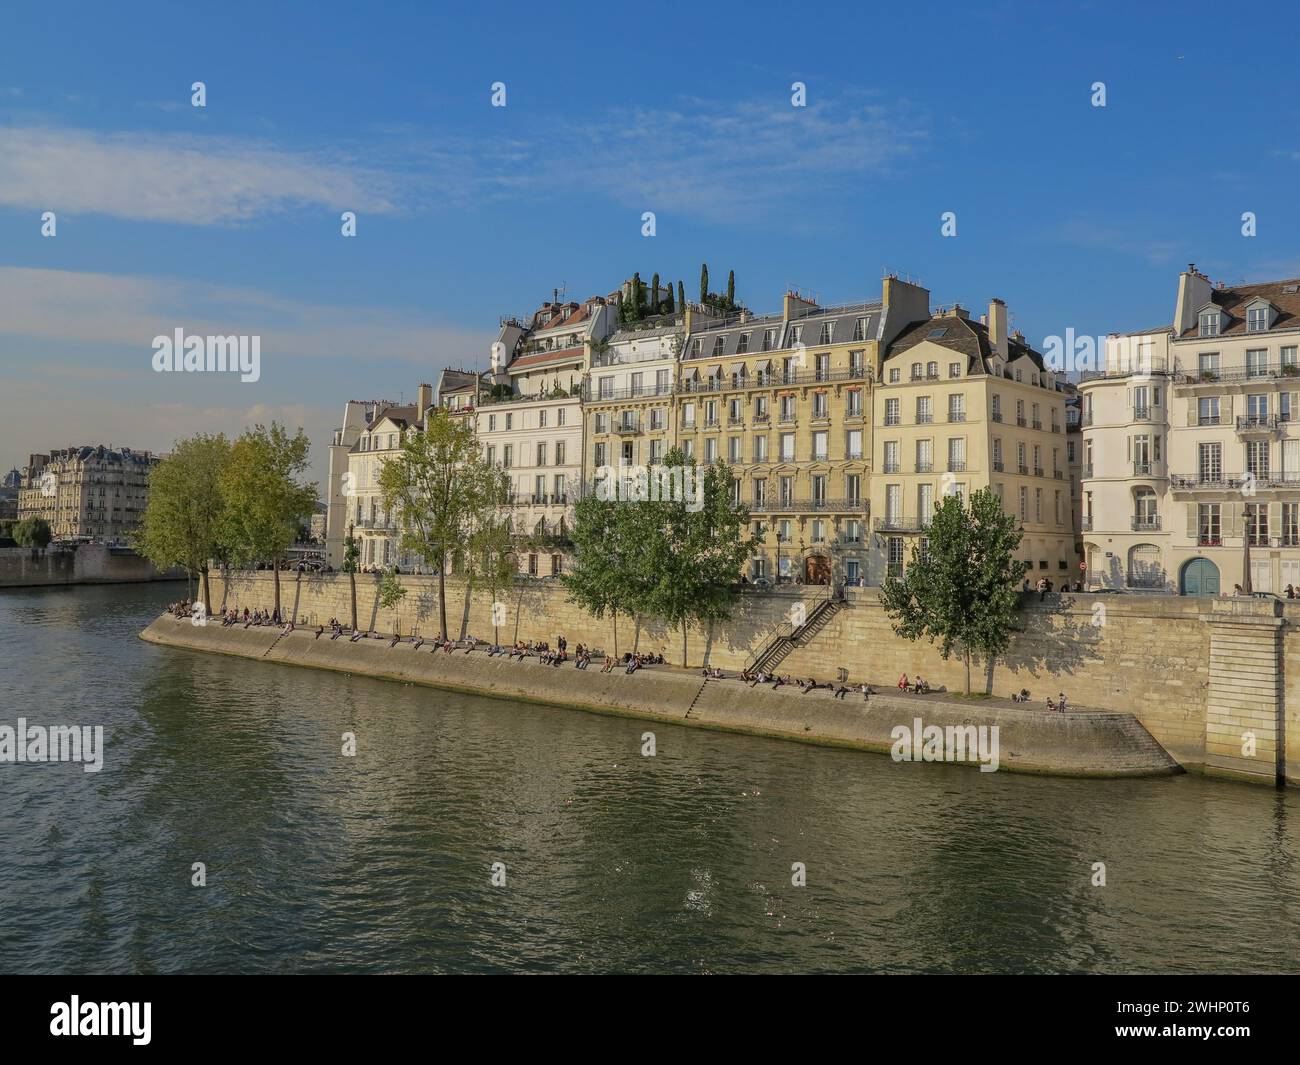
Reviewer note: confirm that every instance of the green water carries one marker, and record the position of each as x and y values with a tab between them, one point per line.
613	861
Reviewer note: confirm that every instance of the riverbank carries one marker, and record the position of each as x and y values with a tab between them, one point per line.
1089	743
27	567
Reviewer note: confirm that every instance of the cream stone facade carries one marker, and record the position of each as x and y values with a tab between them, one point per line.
530	420
94	493
1224	490
784	400
964	406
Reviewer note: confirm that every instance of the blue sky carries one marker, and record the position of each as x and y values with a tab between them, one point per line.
226	218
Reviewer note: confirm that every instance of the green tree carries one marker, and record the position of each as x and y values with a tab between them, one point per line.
696	547
184	517
391	591
704	282
32	532
654	294
681	297
607	573
439	487
731	289
963	590
489	559
264	500
351	563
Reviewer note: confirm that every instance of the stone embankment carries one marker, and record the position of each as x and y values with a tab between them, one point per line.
1030	739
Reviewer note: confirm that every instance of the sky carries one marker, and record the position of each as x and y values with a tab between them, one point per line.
226	218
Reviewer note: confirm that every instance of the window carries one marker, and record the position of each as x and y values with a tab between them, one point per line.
895	375
1024	504
787	447
1257	362
820	445
541	419
508	456
853	448
853	488
742	343
891	412
1210	324
1257	524
924	414
925	503
954	369
956	407
711	450
827	333
1210	533
894	556
541	454
891	456
760	449
719	344
860	329
1208	363
605	388
733	449
559	418
932	371
492	423
1210	462
769	338
1288	358
853	403
1257	319
598	458
819	489
510	421
1207	410
1257	458
957	454
491	455
856	364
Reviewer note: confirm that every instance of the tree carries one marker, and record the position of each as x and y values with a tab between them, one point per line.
439	487
681	297
654	294
391	591
32	532
962	591
489	559
694	557
184	517
704	282
608	542
731	289
351	562
264	500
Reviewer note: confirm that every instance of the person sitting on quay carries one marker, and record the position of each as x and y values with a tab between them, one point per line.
904	684
841	691
288	628
867	692
1021	696
779	681
920	687
358	635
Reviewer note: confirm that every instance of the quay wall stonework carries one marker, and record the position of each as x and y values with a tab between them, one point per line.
1202	675
1082	743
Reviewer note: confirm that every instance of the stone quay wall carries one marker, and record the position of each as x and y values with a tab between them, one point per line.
25	567
1081	743
1208	678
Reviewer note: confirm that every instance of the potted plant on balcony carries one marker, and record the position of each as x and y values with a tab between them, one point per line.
1208	375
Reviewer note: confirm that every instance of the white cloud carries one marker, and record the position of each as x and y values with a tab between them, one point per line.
176	178
110	309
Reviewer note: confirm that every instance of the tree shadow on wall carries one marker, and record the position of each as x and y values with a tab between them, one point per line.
1063	646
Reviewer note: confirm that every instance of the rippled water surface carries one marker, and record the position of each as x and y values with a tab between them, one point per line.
681	862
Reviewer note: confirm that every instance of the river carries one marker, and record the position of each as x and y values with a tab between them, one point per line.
681	862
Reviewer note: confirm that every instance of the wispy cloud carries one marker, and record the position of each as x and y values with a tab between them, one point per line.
110	309
177	177
1119	240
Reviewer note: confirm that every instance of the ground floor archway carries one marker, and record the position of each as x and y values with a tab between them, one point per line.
817	570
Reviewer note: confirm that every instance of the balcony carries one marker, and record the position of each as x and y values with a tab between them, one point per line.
1024	470
1145	523
1085	523
1235	379
956	415
808	505
1038	423
1256	424
956	466
628	428
1059	474
997	466
771	380
895	524
924	419
890	467
893	419
611	395
1056	428
1038	471
762	419
1142	414
996	416
735	421
1143	469
1086	418
712	423
924	467
1020	420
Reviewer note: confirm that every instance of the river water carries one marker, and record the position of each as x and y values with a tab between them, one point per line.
681	862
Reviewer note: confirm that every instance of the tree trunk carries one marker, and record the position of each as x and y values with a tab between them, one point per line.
442	598
275	568
684	662
966	655
464	617
614	614
352	580
207	597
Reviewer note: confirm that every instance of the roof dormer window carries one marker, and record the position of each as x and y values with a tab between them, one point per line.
1210	324
1257	319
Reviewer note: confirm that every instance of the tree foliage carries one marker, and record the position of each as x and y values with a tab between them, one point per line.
183	522
962	591
33	531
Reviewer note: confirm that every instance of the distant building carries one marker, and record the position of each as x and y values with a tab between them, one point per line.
93	493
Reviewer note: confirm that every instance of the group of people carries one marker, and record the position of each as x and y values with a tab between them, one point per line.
919	686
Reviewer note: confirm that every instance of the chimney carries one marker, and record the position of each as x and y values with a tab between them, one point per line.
960	311
998	326
425	400
1194	292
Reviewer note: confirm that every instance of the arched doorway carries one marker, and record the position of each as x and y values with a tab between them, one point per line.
817	570
1200	576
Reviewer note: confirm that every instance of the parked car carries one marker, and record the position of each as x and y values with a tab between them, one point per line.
761	583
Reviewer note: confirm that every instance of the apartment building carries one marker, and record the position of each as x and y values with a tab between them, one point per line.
1221	507
784	400
530	418
96	493
628	396
961	406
